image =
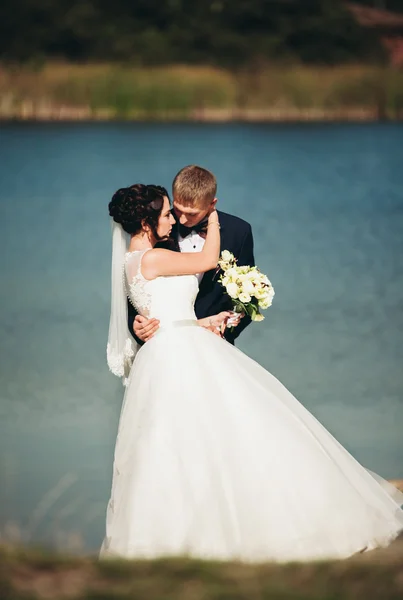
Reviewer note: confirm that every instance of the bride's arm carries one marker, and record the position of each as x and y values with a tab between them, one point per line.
159	262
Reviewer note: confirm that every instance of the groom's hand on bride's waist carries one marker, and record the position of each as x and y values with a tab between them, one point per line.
145	328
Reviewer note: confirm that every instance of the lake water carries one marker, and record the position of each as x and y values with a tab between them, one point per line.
326	206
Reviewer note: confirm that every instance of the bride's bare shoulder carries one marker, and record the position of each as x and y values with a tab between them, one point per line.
154	255
156	262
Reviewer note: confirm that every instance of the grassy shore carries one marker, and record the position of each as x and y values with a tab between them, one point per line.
278	93
36	575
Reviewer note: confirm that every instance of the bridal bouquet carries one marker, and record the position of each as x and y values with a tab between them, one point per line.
249	289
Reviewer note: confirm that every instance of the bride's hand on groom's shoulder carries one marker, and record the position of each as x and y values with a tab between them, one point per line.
145	328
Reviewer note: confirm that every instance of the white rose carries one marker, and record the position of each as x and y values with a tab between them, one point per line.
245	298
232	290
260	293
251	275
248	287
232	273
227	256
265	303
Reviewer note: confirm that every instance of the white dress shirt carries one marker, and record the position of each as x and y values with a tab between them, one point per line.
192	243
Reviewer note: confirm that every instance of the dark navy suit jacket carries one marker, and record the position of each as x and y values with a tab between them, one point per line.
236	236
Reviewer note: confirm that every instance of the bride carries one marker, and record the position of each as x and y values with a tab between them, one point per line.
214	457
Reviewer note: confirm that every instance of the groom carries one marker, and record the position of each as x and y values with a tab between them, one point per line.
194	193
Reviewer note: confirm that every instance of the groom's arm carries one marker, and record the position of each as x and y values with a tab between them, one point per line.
245	257
141	328
131	315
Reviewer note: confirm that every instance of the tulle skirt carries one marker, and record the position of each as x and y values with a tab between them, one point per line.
216	459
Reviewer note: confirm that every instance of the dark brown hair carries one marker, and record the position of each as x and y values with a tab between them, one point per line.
138	205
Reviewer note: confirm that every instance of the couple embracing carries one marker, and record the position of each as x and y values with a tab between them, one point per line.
214	457
194	197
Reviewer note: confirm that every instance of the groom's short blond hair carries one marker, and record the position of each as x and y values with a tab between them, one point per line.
194	186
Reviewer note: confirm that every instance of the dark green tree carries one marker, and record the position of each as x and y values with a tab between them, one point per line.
223	32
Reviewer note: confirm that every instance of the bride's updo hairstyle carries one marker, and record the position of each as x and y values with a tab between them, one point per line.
138	205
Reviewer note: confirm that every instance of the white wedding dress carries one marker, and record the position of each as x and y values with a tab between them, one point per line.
216	459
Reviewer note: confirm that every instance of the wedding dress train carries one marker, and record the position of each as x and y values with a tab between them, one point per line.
216	459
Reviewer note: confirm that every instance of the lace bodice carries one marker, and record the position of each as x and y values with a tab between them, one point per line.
165	298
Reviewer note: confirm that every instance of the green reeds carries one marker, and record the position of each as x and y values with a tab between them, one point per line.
273	92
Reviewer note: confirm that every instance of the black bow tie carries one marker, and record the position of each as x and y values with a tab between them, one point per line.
199	228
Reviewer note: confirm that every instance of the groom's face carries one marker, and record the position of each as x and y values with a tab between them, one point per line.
191	215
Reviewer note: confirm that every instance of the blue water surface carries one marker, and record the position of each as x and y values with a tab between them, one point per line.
326	206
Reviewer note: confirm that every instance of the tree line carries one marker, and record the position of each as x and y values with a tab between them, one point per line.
226	33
